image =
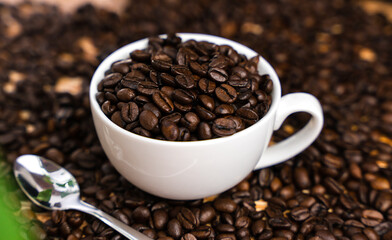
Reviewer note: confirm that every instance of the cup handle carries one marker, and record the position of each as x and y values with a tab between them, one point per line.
291	103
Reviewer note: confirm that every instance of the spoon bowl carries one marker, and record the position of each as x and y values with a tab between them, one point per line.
46	183
52	187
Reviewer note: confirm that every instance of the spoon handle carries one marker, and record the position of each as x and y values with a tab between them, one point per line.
116	224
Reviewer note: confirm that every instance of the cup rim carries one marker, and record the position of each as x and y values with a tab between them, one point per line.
117	55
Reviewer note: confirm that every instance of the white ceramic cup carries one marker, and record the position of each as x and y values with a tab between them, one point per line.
197	169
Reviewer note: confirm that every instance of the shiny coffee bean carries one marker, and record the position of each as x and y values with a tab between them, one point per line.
206	85
183	96
140	56
204	131
112	79
129	112
217	74
185	81
226	93
148	120
125	94
163	102
190	121
223	127
170	130
198	69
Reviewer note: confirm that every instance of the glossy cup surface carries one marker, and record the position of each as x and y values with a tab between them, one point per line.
184	170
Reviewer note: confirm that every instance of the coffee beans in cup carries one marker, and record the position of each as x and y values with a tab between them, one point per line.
184	91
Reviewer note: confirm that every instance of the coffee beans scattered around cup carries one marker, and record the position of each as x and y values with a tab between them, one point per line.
184	91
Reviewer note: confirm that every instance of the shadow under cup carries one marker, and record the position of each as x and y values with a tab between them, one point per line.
184	170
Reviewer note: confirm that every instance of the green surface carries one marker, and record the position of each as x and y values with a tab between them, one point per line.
9	226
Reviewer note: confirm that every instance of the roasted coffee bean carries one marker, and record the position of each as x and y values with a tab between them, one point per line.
187	218
247	115
108	108
148	120
279	222
131	84
112	80
125	94
225	236
188	236
207	214
185	81
58	217
168	79
190	121
242	222
206	85
258	227
225	228
219	61
225	205
226	93
135	75
174	228
301	177
163	102
180	70
224	109
121	66
207	102
116	118
300	213
217	74
174	117
183	96
151	107
198	69
223	127
167	90
140	56
204	113
371	217
129	112
170	130
147	87
201	232
160	218
141	214
184	134
268	85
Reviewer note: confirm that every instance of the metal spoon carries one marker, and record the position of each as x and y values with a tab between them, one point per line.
52	187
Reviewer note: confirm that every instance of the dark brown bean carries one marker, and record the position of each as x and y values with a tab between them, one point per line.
170	130
160	218
190	121
148	120
247	115
206	85
187	218
223	127
185	81
163	102
225	205
218	75
129	112
204	114
174	228
140	56
226	93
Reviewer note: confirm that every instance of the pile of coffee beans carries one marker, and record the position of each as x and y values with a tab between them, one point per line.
185	91
339	188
